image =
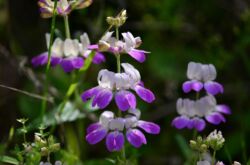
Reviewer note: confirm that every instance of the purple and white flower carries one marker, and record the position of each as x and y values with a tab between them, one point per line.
112	129
118	84
128	45
64	7
70	54
202	75
194	113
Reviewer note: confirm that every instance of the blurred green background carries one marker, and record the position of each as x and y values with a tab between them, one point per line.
174	31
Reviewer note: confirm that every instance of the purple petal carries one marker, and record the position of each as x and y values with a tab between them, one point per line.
98	58
69	64
40	60
180	122
223	109
103	98
192	85
145	94
115	141
138	55
55	60
149	127
89	93
213	88
199	124
91	47
125	100
215	118
96	136
136	137
93	127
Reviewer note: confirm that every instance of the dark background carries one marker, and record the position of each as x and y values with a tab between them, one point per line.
175	32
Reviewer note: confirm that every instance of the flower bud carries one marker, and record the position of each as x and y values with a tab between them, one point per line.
44	151
119	20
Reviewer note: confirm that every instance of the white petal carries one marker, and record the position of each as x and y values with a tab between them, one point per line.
84	41
209	72
131	122
106	117
71	47
106	79
194	71
107	36
57	47
117	124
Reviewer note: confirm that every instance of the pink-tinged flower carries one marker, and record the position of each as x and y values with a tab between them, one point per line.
118	84
64	7
194	113
70	54
112	129
128	45
202	75
80	4
56	54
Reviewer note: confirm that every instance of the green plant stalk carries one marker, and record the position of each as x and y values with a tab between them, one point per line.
66	25
118	62
52	30
213	158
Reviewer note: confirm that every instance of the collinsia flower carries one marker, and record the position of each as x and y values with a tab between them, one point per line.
194	113
118	84
112	129
70	54
202	75
128	45
64	7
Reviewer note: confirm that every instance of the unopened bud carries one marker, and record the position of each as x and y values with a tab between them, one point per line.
44	151
55	147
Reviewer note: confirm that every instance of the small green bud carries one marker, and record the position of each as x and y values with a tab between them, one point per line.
44	151
193	144
22	121
55	147
119	20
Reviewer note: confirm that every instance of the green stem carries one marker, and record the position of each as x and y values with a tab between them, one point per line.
197	95
52	30
118	62
66	25
213	158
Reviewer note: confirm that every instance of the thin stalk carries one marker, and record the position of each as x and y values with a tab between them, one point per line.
52	30
66	26
213	158
118	62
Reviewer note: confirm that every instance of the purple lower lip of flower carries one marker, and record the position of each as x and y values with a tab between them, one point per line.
144	93
90	93
102	98
93	47
98	58
42	59
136	137
138	55
125	100
69	64
213	88
62	11
180	122
149	127
192	85
96	136
198	124
115	141
215	118
223	109
93	127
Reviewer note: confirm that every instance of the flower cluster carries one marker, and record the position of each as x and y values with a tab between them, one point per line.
64	7
128	45
118	84
70	53
113	127
193	112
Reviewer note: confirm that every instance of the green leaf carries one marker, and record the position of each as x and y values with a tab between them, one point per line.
10	160
68	114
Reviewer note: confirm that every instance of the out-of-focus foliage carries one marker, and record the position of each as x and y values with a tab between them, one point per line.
175	32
